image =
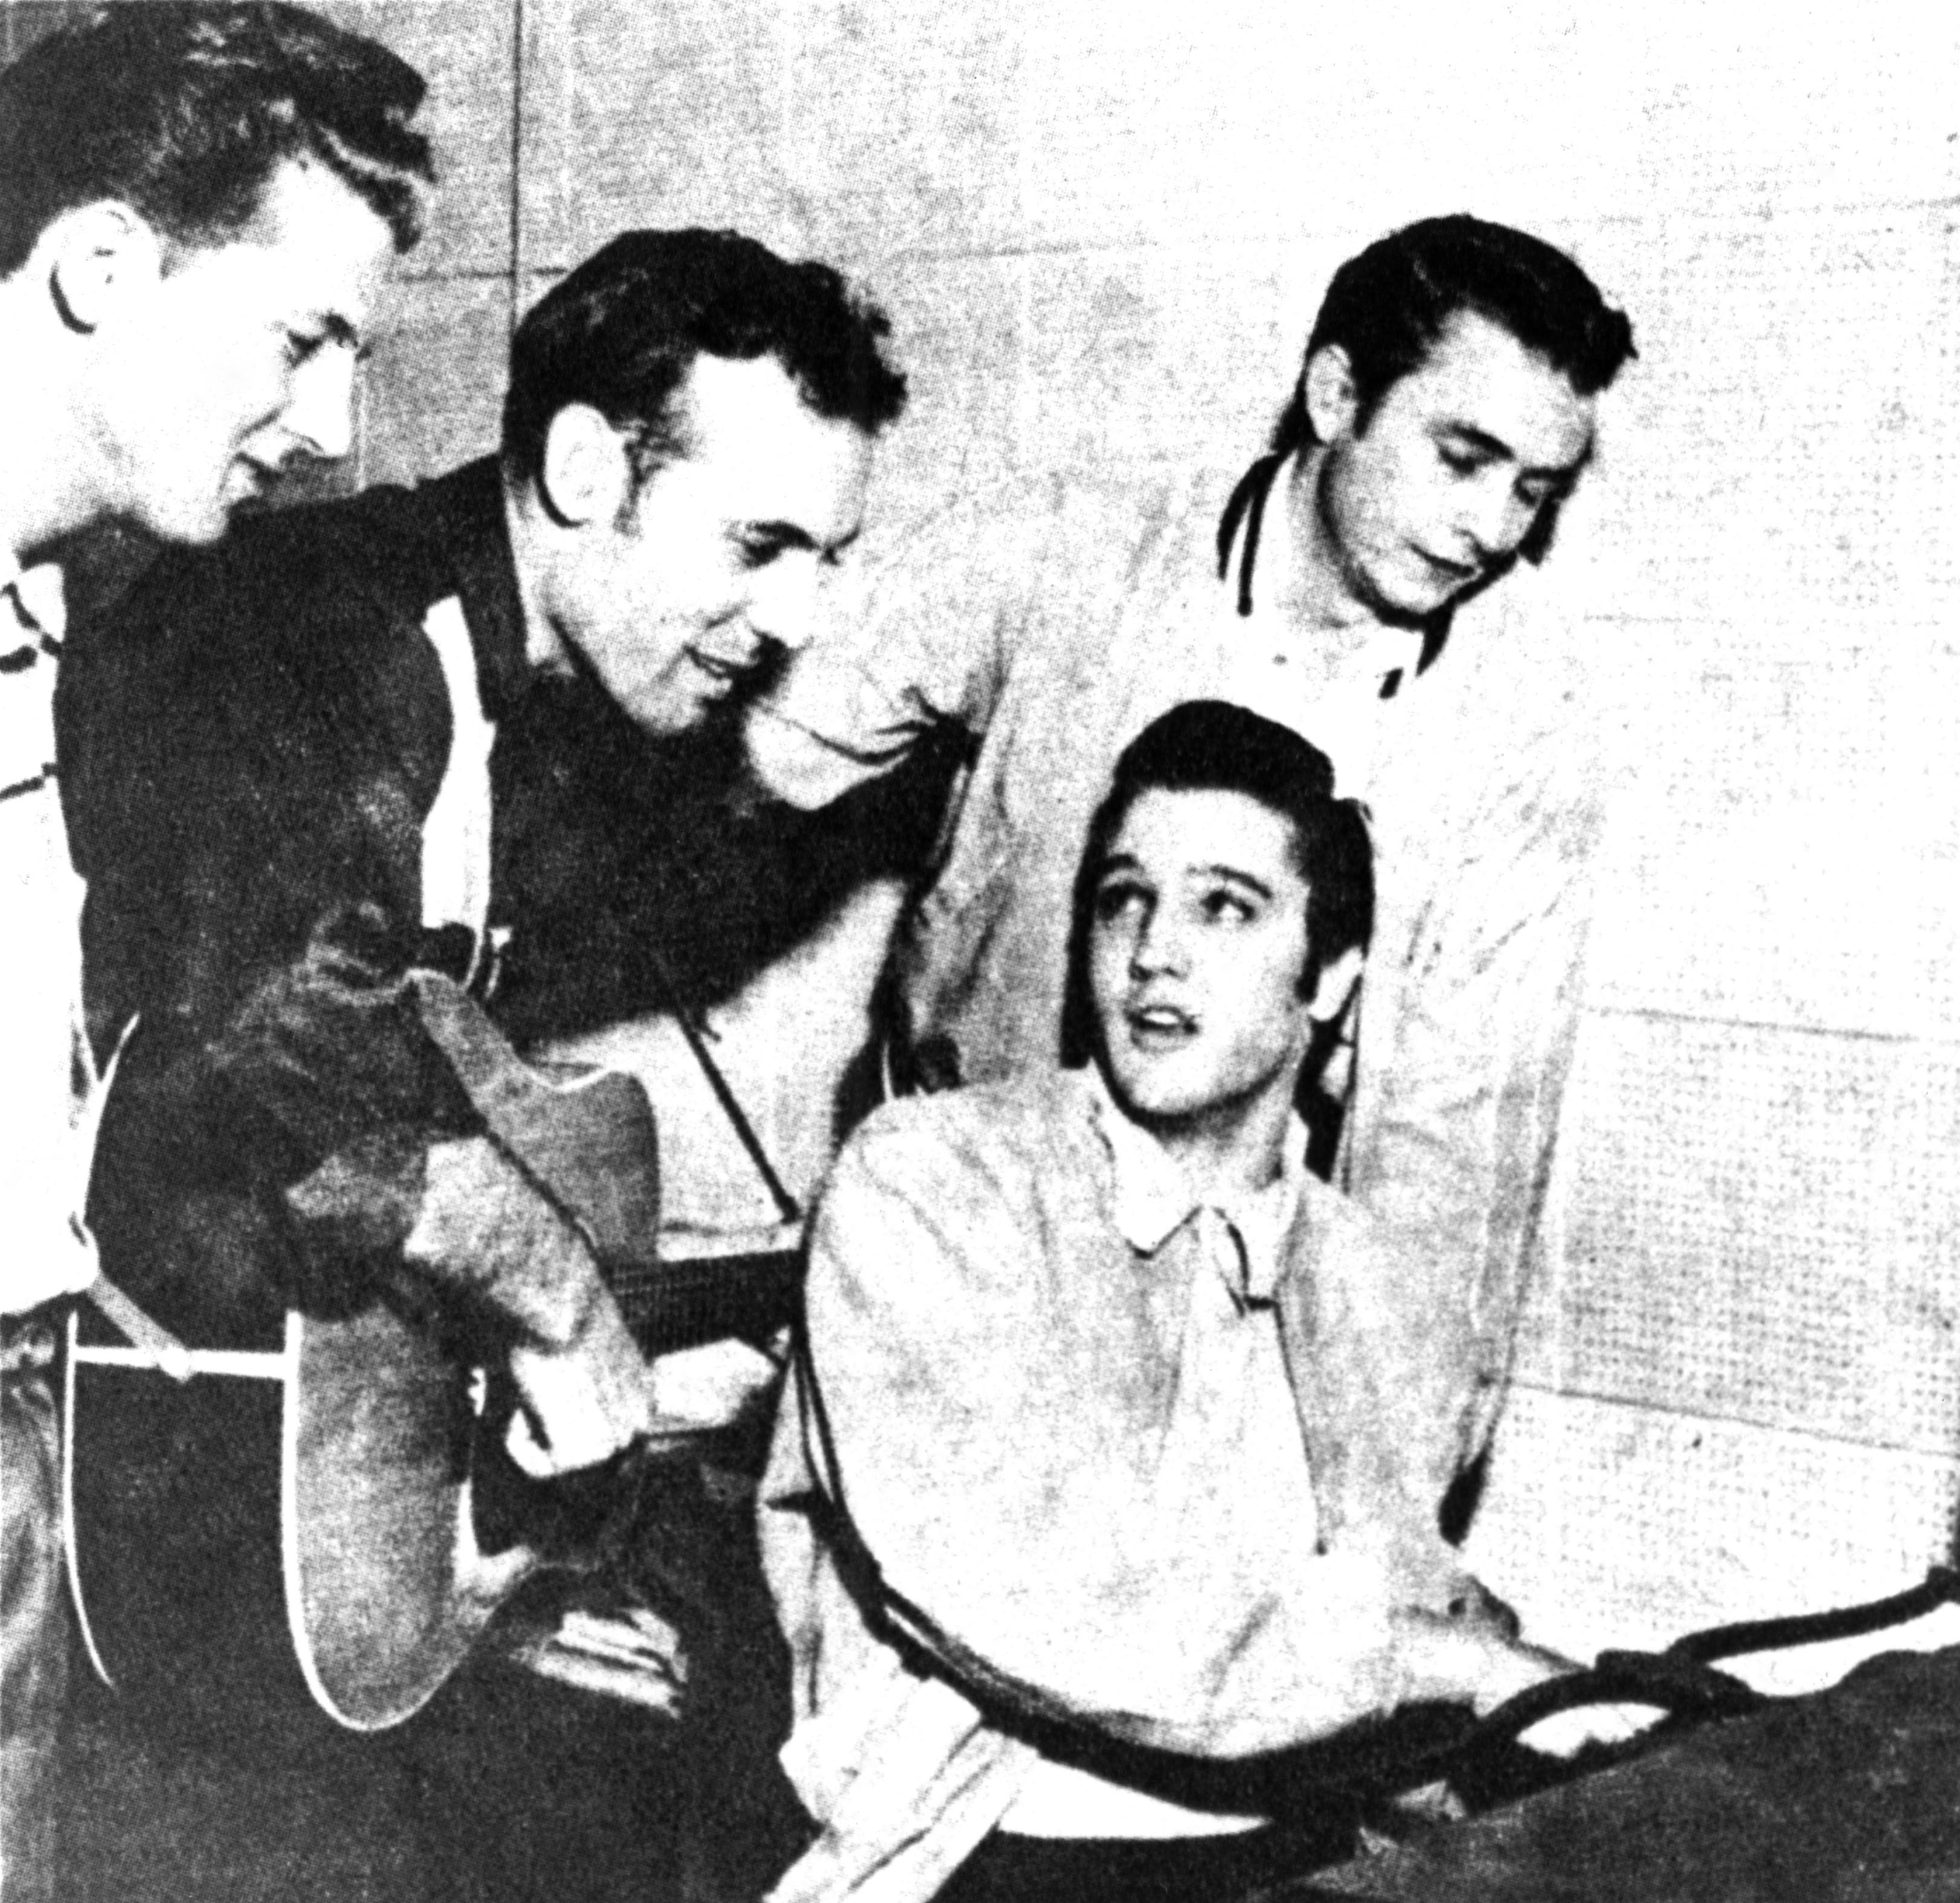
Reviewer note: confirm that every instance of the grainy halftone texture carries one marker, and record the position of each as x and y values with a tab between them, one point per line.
1101	229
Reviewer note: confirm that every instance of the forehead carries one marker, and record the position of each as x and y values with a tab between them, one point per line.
1477	378
1173	834
767	455
314	249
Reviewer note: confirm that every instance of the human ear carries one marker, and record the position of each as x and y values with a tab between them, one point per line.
1338	977
586	475
1331	403
97	256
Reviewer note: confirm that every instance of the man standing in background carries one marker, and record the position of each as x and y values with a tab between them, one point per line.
197	205
1444	412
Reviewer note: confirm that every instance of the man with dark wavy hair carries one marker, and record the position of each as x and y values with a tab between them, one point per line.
1369	582
197	204
445	760
1102	1475
456	754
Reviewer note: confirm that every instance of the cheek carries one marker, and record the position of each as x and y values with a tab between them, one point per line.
1415	483
1268	1006
696	591
1107	964
633	599
226	394
1377	493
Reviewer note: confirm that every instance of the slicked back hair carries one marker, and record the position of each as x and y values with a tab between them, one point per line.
1216	746
1387	306
621	332
184	112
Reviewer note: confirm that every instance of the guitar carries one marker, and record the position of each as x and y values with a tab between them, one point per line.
324	1506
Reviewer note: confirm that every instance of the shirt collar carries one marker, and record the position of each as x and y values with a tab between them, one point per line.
1151	1199
465	512
37	593
1386	652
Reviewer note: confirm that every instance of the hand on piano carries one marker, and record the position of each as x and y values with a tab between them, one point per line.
1564	1734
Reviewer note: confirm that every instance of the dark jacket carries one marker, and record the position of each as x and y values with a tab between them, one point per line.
251	742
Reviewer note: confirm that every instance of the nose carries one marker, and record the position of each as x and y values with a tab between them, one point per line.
784	603
320	416
1159	944
1494	519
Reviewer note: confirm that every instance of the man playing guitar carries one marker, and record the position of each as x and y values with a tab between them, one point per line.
440	731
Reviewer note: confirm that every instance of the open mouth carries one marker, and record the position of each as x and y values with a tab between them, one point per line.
1158	1025
720	669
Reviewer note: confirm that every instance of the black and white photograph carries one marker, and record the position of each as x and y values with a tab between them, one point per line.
1000	953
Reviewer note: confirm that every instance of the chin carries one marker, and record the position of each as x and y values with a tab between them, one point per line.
1412	607
667	720
195	521
1152	1099
191	531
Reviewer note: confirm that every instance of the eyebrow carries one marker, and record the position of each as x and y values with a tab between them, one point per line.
793	535
1234	875
1230	875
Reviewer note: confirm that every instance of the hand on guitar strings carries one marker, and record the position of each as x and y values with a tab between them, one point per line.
714	1386
581	1404
585	1390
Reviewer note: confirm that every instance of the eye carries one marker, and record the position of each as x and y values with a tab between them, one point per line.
758	551
1226	905
1116	898
300	346
1460	461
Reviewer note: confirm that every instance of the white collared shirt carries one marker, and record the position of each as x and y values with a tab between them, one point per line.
45	1075
1229	1372
1153	1199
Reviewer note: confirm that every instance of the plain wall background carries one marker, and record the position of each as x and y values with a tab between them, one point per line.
1101	229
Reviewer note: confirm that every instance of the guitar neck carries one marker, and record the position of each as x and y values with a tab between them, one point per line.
682	1304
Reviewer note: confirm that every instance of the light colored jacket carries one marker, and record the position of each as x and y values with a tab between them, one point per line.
1053	625
999	1475
45	1077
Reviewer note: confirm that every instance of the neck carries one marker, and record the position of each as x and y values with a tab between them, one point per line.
1308	580
1232	1149
51	480
532	545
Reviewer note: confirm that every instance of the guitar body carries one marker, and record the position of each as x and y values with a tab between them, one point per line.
304	1519
385	1587
304	1531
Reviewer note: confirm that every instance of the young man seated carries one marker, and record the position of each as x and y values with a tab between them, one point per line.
1112	1451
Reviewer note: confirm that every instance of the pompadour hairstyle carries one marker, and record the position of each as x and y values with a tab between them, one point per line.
1388	305
184	111
1217	747
621	332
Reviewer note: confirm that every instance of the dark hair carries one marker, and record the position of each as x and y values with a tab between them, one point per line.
1215	746
622	331
1387	306
185	112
